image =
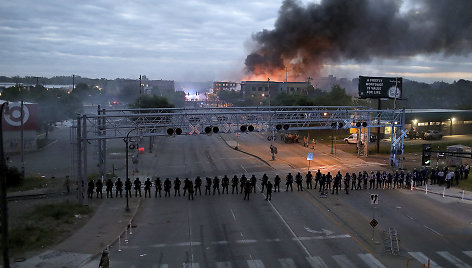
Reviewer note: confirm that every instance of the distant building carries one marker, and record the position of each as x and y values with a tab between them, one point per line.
224	85
261	88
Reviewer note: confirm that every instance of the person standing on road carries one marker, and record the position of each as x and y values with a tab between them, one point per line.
234	184
119	188
269	191
277	183
190	189
247	190
177	183
104	260
137	187
185	185
90	188
253	182
289	181
147	187
243	182
354	180
128	185
99	188
309	179
347	179
109	188
371	180
216	185
317	178
337	182
198	185
167	186
208	186
264	181
157	186
225	183
299	181
329	180
323	183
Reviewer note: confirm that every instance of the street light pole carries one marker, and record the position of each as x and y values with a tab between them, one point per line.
4	206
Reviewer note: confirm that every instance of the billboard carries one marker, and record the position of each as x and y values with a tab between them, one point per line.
380	87
11	120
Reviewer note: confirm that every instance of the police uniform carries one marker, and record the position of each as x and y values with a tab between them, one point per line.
119	188
90	188
137	187
234	184
269	191
128	185
225	183
277	183
167	186
198	184
289	182
99	187
264	182
177	186
157	186
216	185
109	185
147	187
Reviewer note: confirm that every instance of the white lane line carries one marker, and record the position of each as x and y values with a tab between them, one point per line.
160	266
423	259
223	264
288	227
244	169
222	242
303	238
316	262
287	263
159	245
234	217
453	259
371	261
273	240
245	241
186	244
343	261
255	264
190	265
432	230
468	253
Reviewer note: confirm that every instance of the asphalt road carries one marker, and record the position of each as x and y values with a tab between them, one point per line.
295	229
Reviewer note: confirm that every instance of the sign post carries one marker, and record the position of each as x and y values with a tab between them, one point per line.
374	200
309	157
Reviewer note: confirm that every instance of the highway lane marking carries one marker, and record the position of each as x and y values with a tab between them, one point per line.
255	264
432	230
371	261
306	194
222	242
288	226
343	261
468	253
287	263
273	240
244	169
423	259
304	238
245	241
234	217
316	262
411	218
453	259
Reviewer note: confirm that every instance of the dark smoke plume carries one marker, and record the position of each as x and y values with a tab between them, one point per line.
304	38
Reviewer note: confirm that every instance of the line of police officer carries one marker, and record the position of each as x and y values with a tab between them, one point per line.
353	181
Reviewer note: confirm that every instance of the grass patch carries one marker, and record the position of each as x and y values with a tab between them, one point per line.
31	183
466	184
46	225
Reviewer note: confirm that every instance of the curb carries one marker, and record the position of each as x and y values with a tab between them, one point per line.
440	193
253	155
114	240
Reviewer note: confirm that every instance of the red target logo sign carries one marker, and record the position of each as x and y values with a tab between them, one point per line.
13	117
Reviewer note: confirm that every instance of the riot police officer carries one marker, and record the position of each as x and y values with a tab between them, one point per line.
253	182
167	186
208	186
177	183
99	187
264	181
198	184
277	183
225	183
158	186
119	188
337	182
269	191
216	185
247	190
90	188
186	181
347	179
190	189
128	185
243	182
234	184
147	187
309	179
109	187
137	187
299	181
289	182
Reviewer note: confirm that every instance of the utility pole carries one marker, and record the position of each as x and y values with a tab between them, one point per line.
73	82
22	140
4	200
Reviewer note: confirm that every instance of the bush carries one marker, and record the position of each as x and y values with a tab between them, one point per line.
14	177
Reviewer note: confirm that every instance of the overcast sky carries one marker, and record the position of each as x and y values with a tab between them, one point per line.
199	40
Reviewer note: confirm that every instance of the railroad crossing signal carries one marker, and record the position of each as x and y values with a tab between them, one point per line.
426	156
374	199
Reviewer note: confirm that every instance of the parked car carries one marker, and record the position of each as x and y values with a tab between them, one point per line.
353	138
432	135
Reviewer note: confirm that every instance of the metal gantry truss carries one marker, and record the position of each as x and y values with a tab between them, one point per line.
116	123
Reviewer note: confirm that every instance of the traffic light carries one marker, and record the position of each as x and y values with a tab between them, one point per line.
426	156
337	125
